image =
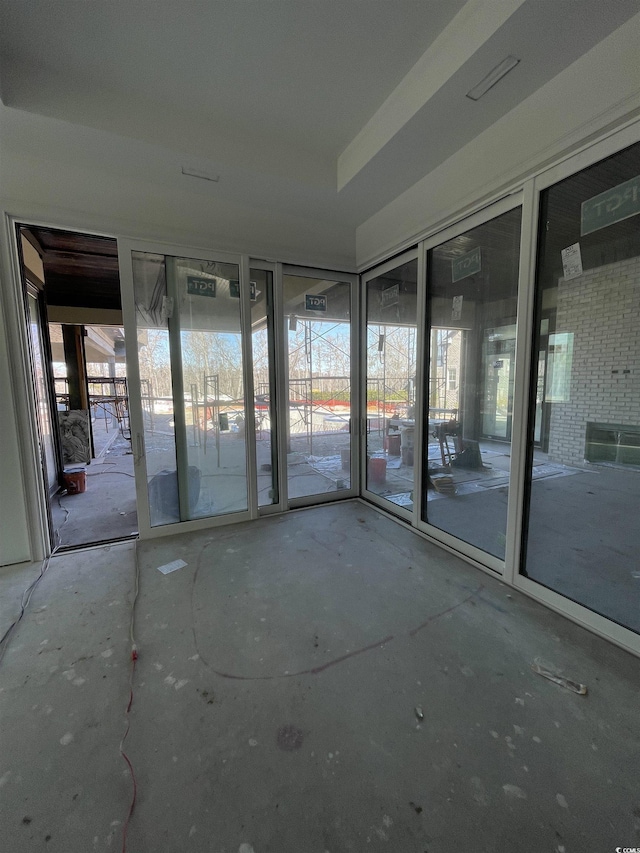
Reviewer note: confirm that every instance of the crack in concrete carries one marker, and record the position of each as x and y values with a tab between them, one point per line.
316	670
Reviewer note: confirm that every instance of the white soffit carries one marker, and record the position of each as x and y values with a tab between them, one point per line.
553	120
474	24
285	79
266	95
406	140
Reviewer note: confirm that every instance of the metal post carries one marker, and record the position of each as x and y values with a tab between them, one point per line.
175	354
307	331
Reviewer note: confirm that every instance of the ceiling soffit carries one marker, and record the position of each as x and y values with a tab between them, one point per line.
326	112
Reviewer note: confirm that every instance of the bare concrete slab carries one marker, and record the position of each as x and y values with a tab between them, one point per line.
106	511
321	681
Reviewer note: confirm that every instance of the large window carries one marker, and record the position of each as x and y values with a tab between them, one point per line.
390	382
317	315
192	386
472	305
584	463
266	417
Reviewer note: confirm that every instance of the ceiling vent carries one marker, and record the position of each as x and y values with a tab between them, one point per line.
492	78
203	174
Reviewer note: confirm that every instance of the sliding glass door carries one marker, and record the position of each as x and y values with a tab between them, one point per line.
472	288
267	420
192	423
215	438
320	366
40	366
390	295
583	470
511	385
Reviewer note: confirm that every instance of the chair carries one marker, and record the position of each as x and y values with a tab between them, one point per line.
449	434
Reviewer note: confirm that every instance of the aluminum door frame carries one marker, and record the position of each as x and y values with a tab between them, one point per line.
381	269
125	249
354	309
590	155
276	377
479	557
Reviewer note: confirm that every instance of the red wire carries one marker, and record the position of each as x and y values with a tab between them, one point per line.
134	658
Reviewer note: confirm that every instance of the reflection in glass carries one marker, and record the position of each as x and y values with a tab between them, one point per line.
189	344
318	328
472	305
156	386
43	412
262	341
391	371
208	296
584	467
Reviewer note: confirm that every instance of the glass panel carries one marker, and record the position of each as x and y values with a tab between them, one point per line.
584	473
318	317
207	296
391	372
472	305
498	351
189	343
42	398
263	383
156	386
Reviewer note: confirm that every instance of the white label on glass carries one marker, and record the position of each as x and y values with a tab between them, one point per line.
572	261
166	312
456	308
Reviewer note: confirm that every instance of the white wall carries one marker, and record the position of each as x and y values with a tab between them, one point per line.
602	88
14	534
94	180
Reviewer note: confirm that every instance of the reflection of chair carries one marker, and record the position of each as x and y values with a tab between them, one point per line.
449	434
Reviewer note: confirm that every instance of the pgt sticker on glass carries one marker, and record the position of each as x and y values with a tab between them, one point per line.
610	207
572	261
197	286
456	308
234	289
315	303
390	296
466	265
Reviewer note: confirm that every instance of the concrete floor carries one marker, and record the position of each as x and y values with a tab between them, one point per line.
584	537
592	521
275	695
107	509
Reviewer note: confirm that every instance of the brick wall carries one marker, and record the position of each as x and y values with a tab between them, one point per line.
602	309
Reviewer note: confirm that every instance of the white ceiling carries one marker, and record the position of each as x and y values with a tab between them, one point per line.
292	99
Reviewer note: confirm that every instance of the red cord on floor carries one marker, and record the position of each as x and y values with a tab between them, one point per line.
134	658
